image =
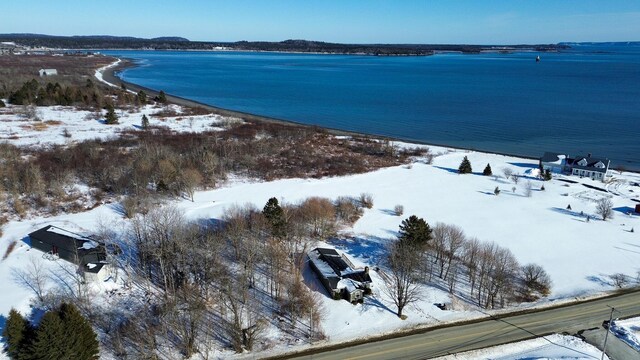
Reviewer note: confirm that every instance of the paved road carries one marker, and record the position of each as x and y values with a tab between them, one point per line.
454	339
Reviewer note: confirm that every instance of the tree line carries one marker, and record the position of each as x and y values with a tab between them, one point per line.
490	274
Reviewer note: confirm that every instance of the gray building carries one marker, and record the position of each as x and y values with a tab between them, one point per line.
339	276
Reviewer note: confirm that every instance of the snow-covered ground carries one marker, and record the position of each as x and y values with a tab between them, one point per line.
628	330
63	125
579	255
552	347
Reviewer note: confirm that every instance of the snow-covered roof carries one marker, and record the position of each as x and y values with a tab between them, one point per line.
67	233
348	284
553	158
332	266
321	265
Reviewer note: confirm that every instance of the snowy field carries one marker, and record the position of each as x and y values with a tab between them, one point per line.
628	330
552	347
61	125
579	255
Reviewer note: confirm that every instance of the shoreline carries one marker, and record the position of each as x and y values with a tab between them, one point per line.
109	76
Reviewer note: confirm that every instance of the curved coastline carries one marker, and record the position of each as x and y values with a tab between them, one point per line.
110	75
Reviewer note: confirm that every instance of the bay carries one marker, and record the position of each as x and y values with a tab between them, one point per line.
582	100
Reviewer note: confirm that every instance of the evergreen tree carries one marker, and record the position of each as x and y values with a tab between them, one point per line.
162	97
81	342
142	97
145	122
540	170
487	171
275	216
415	231
2	104
50	339
16	333
465	166
111	118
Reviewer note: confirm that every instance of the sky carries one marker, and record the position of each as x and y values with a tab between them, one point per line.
345	21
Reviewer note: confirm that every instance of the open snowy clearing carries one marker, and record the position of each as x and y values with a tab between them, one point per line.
552	347
579	255
65	125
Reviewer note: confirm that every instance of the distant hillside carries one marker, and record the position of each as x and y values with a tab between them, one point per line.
610	43
179	43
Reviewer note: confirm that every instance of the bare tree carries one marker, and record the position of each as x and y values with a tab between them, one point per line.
604	208
32	277
515	178
320	214
470	257
507	172
528	188
190	180
402	286
185	315
535	280
619	280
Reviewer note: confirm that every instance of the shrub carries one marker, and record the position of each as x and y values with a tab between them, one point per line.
398	210
366	200
12	245
348	209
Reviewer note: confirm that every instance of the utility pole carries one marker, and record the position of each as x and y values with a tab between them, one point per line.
606	336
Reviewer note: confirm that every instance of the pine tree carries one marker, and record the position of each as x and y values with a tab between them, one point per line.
540	171
16	334
145	122
275	216
415	231
111	118
162	97
465	166
81	343
487	171
50	339
142	97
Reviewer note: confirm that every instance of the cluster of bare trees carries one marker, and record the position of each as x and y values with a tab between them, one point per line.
225	281
480	272
491	273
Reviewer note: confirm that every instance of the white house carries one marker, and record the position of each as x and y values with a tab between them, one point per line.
48	72
587	166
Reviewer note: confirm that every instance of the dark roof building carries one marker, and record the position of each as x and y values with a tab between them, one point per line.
339	276
588	166
67	245
554	162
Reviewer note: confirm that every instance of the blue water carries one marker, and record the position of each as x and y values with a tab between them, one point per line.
584	100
